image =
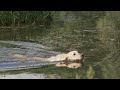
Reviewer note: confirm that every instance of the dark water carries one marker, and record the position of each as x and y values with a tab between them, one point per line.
96	34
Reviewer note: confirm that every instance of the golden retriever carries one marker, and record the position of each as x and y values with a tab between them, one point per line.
73	56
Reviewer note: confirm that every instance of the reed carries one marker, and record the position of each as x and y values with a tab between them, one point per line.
17	18
90	73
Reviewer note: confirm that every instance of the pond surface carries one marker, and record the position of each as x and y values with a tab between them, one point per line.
29	76
26	48
96	34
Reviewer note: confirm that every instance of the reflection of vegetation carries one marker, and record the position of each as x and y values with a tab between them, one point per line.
110	66
28	34
108	31
78	76
94	33
108	27
90	73
63	72
74	31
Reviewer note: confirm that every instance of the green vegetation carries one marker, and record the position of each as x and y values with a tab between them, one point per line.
94	33
108	31
90	73
18	18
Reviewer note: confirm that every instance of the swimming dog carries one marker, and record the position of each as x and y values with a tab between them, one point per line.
73	56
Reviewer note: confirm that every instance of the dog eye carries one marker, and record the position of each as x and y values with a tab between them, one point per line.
74	54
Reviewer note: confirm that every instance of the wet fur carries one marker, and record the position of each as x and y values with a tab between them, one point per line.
72	56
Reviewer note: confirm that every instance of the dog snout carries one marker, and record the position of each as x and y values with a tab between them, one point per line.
82	55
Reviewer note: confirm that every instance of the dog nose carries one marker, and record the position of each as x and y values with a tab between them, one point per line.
82	55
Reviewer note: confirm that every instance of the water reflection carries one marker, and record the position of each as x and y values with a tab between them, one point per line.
24	48
96	34
29	76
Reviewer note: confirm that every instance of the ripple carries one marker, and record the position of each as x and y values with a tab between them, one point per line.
30	49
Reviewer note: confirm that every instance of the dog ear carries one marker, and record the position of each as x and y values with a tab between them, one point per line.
66	58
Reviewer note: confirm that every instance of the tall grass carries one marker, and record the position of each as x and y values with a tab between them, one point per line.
17	18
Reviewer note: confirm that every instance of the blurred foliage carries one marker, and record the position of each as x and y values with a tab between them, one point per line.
17	18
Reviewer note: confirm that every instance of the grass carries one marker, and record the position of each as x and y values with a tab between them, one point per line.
18	18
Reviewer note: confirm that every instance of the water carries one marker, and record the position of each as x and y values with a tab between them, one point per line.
96	34
30	49
29	76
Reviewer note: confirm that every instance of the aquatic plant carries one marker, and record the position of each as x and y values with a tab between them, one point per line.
90	73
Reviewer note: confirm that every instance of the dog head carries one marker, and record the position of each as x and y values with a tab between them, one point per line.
75	56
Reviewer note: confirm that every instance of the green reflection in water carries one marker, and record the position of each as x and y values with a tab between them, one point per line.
95	33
